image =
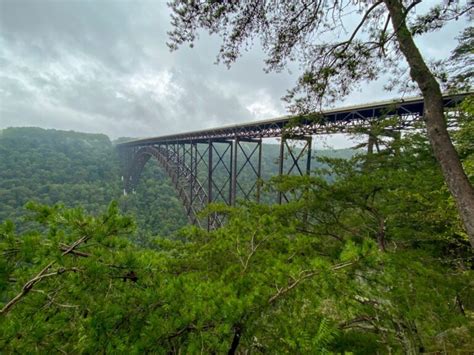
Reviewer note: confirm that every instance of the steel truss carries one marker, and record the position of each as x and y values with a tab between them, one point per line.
297	156
409	110
247	159
169	157
207	166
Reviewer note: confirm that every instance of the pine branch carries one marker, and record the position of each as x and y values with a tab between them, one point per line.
305	274
29	285
42	275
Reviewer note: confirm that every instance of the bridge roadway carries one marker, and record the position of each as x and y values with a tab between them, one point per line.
329	121
205	165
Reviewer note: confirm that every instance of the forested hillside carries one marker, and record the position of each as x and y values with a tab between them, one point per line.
373	260
51	166
79	169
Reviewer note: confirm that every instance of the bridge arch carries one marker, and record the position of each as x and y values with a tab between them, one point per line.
180	173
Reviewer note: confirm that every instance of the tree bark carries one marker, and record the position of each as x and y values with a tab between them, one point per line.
235	340
443	148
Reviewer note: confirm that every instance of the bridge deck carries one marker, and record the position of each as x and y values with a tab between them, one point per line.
330	121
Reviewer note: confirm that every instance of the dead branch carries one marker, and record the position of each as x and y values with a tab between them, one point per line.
29	285
354	322
42	275
253	248
64	248
76	244
53	301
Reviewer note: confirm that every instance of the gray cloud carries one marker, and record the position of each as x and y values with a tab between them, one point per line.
103	66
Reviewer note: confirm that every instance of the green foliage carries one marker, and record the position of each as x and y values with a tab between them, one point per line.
52	166
395	200
464	136
373	260
335	55
461	62
80	169
155	205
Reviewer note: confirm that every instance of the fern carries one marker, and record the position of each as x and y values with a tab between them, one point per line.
324	336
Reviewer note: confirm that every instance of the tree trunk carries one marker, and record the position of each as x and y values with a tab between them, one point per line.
443	149
370	144
235	340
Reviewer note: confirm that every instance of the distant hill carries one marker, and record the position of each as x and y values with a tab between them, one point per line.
82	169
79	169
53	166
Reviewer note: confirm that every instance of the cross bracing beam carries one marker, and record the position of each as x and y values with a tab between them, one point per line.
297	159
247	161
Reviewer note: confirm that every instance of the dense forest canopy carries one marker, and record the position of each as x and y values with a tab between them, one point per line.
79	169
372	257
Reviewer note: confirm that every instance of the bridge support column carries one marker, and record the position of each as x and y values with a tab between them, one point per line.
209	183
201	168
220	159
177	149
297	163
233	189
192	178
178	161
188	178
182	174
246	158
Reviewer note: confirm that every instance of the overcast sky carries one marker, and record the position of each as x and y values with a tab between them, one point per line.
103	66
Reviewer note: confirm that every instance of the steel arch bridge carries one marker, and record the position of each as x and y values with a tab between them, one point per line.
194	159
